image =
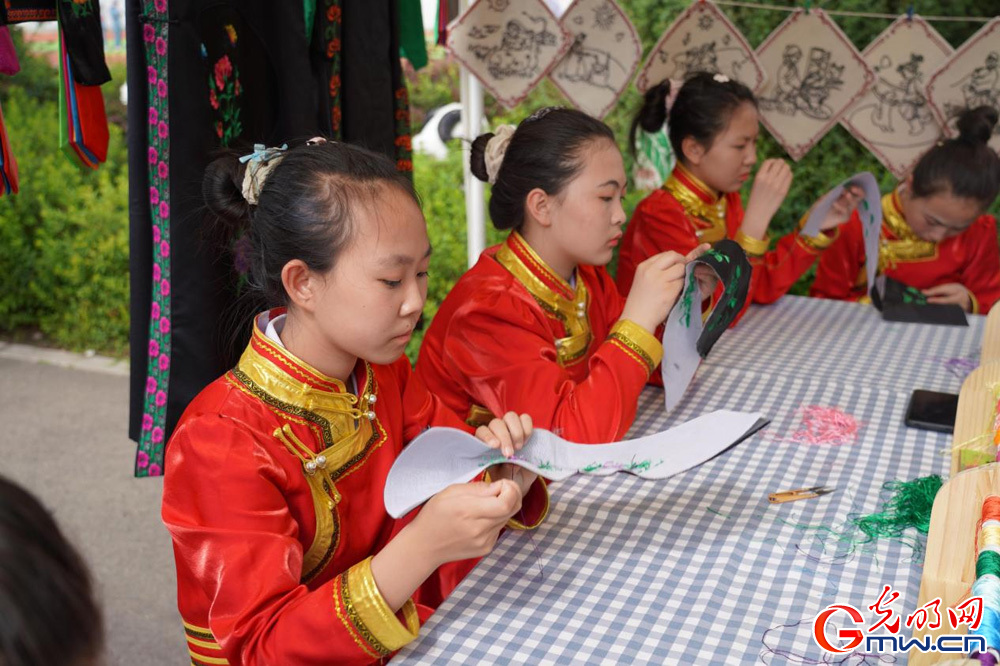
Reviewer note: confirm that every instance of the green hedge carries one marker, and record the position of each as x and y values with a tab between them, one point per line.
64	237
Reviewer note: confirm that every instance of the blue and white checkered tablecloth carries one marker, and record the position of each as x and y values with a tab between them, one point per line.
847	341
700	568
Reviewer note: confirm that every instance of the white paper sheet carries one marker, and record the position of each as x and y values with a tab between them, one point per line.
441	457
869	210
680	342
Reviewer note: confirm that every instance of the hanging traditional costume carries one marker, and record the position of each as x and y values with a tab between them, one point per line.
513	335
971	259
273	497
685	213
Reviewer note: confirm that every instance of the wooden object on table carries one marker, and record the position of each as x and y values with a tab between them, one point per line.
991	338
972	443
950	560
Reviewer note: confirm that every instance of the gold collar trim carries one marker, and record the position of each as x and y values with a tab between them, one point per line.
561	301
906	246
346	423
708	215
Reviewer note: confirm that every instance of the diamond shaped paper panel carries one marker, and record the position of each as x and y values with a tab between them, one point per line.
509	45
970	78
602	59
814	74
702	39
894	119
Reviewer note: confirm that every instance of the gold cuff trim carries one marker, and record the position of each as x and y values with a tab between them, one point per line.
975	301
478	416
195	630
208	645
202	659
515	524
639	340
819	242
372	615
752	246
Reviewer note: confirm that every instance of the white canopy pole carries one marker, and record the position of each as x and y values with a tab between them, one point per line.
475	198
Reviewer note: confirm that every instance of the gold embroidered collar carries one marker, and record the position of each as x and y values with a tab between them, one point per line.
291	386
707	210
905	245
554	295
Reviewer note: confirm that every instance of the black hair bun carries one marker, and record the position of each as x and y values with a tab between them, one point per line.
977	125
477	157
222	189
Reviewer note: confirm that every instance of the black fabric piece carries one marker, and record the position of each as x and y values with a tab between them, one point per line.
902	303
371	73
81	28
22	11
730	263
932	313
263	45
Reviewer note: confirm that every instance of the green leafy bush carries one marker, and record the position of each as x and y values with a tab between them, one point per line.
64	237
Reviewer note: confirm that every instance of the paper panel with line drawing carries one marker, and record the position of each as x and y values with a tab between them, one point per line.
814	75
604	55
702	39
509	45
893	119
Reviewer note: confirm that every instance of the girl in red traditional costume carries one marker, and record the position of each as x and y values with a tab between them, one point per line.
275	474
537	325
935	235
713	127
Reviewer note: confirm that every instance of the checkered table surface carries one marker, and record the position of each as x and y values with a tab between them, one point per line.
700	568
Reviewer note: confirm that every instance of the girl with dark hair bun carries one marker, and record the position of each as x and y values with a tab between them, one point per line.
713	127
275	474
935	235
537	325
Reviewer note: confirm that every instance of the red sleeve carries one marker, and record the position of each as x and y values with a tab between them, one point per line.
981	273
840	265
501	351
421	408
237	553
658	224
776	271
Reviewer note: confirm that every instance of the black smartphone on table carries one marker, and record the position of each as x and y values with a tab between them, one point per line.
931	410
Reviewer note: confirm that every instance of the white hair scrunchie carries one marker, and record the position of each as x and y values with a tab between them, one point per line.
496	148
261	161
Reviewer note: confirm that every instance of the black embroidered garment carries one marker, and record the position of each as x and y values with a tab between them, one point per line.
207	74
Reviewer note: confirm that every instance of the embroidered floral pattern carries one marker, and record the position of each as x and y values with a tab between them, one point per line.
224	89
404	148
80	7
333	47
149	457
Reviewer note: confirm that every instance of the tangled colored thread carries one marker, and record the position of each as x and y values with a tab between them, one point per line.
959	366
825	426
909	506
996	428
987	584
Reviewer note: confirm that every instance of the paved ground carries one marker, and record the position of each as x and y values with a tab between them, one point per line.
63	435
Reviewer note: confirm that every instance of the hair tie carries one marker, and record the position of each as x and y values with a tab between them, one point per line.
261	161
495	150
675	88
720	78
316	141
541	113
